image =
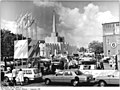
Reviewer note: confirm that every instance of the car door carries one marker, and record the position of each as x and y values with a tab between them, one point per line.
58	77
114	79
67	76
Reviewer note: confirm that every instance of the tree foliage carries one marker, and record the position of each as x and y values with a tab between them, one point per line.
7	43
96	47
82	49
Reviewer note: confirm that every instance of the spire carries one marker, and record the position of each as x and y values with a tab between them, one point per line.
54	22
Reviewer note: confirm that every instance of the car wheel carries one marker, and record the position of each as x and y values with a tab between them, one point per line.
47	81
26	80
102	83
6	79
75	82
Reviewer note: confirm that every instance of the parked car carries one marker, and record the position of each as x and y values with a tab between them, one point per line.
30	74
105	80
68	76
106	59
55	62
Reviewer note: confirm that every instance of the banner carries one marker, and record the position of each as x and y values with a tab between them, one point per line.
26	49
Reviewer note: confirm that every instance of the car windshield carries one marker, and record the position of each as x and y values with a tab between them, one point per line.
78	72
55	61
59	73
36	71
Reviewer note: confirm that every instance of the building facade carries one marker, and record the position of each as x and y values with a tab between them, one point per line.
111	38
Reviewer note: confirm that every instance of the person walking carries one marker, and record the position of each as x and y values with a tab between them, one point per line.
98	65
29	65
14	74
2	75
102	64
20	76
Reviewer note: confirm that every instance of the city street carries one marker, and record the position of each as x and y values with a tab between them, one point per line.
74	43
59	85
42	83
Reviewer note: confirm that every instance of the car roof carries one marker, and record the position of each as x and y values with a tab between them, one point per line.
69	70
28	68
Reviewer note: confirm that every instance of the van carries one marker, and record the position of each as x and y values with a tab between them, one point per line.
30	74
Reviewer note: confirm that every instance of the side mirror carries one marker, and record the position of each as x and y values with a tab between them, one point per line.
112	75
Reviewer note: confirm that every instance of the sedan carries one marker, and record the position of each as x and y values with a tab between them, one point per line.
111	79
68	76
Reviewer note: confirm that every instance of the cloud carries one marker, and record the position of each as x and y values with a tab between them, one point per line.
83	27
107	16
12	26
9	25
44	3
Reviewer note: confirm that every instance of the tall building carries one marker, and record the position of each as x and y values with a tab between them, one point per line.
111	38
56	44
54	38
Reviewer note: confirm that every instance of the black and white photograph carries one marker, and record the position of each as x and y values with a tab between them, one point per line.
59	43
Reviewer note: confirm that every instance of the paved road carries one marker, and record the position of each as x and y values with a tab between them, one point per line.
60	84
42	84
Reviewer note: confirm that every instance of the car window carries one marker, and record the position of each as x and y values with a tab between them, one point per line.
78	72
36	71
68	73
55	61
27	72
59	73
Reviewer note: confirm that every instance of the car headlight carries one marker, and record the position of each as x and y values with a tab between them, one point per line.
86	78
89	78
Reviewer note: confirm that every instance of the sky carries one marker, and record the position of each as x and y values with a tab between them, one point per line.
80	22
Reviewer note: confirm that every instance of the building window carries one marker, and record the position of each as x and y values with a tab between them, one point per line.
108	41
108	52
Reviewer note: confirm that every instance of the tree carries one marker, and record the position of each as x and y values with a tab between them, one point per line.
82	49
7	43
96	47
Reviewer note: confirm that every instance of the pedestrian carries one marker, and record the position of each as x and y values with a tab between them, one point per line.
8	70
29	65
101	65
14	74
113	66
2	75
98	65
20	76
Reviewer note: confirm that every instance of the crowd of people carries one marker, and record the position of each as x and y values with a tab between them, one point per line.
17	76
48	68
